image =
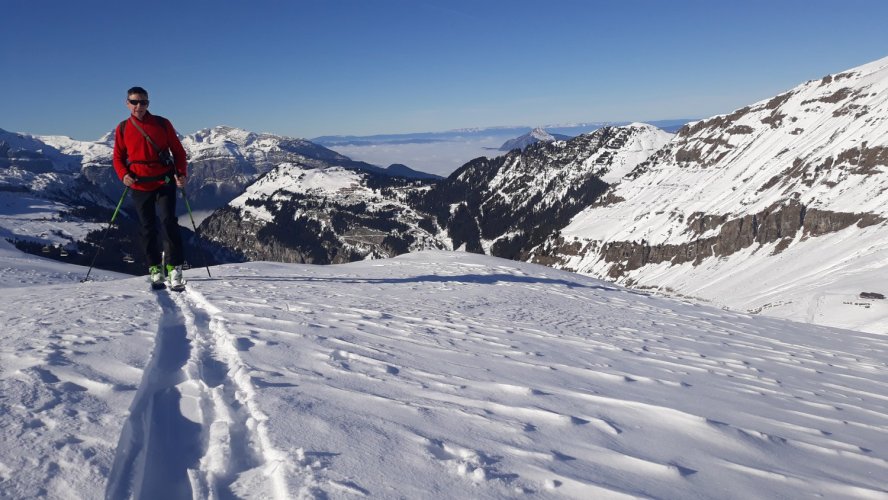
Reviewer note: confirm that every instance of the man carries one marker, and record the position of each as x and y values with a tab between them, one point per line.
142	145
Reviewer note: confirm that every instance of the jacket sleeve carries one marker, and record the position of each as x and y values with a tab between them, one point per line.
120	153
179	153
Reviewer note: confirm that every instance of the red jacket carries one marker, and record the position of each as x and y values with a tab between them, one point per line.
133	154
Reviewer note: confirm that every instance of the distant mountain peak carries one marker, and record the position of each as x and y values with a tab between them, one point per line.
541	134
536	135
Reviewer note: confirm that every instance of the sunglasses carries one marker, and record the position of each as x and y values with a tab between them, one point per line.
136	102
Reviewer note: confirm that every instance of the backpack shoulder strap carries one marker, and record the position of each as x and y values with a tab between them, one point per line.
163	123
122	128
147	137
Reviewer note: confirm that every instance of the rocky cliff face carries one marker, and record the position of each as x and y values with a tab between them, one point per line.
781	224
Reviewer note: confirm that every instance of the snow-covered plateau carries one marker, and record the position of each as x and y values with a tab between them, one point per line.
431	375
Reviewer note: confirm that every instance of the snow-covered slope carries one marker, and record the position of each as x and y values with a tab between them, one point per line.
508	205
44	201
302	213
83	152
430	375
24	217
796	174
632	145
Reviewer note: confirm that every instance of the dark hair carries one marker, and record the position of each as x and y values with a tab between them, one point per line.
136	90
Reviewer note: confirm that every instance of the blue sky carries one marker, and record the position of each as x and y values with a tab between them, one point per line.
306	68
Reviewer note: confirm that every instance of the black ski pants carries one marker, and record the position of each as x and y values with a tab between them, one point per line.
150	204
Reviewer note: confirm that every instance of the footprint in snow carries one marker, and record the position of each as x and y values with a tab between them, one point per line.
244	344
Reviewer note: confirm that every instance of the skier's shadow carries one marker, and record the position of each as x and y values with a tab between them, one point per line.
158	444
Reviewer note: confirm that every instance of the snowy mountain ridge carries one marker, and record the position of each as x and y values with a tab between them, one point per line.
225	141
503	206
301	213
508	205
784	176
89	153
23	154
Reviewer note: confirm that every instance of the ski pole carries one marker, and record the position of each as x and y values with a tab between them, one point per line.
105	234
196	234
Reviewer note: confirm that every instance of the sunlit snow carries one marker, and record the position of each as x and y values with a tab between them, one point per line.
431	375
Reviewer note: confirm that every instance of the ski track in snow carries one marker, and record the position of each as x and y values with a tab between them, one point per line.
159	444
240	457
194	429
430	375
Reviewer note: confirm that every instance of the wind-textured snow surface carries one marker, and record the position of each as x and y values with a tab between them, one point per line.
431	375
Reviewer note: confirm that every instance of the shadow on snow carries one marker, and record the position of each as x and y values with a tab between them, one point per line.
481	279
158	444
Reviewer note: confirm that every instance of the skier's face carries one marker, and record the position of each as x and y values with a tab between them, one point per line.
137	104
